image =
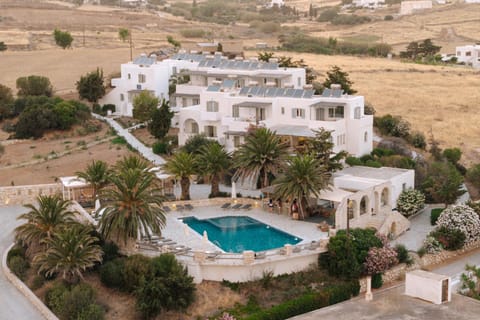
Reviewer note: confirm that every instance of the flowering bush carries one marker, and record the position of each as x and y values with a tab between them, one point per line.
450	239
410	202
226	316
431	245
463	218
380	259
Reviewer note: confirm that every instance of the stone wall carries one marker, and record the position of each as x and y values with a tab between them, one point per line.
20	195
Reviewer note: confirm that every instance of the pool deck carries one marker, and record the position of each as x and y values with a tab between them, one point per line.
179	232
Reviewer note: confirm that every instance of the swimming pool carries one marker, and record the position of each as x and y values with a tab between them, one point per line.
239	233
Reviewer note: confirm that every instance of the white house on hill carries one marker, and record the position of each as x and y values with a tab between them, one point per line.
469	54
225	113
368	3
410	7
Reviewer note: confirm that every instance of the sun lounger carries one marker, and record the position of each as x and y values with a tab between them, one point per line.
212	255
180	207
248	206
226	205
296	249
166	209
236	206
188	207
260	255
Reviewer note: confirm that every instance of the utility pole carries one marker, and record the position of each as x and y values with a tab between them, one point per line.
131	45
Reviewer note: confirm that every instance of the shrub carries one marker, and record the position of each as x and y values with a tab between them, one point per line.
107	107
462	218
19	266
434	214
392	125
388	17
417	139
346	19
34	86
473	175
54	297
373	164
161	147
410	202
328	15
110	251
402	254
136	268
16	251
353	161
37	282
452	155
369	109
450	239
111	273
62	38
192	33
430	245
377	281
380	259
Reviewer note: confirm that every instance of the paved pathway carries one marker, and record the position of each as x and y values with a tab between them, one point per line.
455	268
13	304
134	142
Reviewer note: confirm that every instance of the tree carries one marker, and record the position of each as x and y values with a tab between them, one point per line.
176	44
161	120
3	46
143	105
123	34
380	260
69	253
91	86
443	183
214	162
452	155
43	222
134	207
97	175
337	76
304	177
471	281
6	102
265	56
132	162
261	155
34	86
427	48
195	143
411	52
321	147
183	165
473	175
63	38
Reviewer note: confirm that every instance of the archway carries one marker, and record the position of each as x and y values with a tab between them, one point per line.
190	126
385	198
364	204
393	229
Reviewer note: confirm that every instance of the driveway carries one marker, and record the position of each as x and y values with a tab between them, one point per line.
13	304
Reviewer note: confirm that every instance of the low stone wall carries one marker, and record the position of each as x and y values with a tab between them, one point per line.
429	260
32	298
20	195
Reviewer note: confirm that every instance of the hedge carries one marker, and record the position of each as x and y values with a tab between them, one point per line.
434	214
308	302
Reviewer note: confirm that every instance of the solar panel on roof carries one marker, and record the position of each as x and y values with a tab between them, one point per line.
230	64
253	65
261	91
243	91
298	93
228	83
308	93
213	88
289	92
326	92
271	92
280	92
253	91
337	93
202	63
209	63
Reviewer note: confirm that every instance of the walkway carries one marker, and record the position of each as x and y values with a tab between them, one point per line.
14	304
134	142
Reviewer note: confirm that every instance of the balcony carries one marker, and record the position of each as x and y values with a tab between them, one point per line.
330	125
237	124
210	116
188	89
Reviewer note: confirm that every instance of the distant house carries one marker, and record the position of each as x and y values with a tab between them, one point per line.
472	1
368	3
469	55
276	3
410	7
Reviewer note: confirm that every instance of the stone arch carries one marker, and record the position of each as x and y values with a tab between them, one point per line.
385	197
364	205
190	126
352	209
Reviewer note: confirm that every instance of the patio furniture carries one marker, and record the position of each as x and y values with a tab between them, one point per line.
236	206
260	255
248	206
166	209
180	207
282	251
296	249
226	205
188	206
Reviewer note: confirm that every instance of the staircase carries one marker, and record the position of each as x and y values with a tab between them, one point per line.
375	222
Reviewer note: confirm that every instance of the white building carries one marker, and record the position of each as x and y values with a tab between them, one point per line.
146	73
469	55
410	7
373	4
225	113
276	3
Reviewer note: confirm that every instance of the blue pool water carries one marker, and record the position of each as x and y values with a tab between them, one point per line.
239	233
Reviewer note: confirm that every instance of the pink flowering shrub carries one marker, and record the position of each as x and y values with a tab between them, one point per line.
380	259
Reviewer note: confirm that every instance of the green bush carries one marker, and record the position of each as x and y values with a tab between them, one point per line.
19	266
473	175
434	214
421	252
136	269
119	140
192	33
350	19
91	312
377	281
161	147
54	297
417	139
392	126
111	273
402	254
373	164
450	239
354	161
328	15
37	282
110	251
388	17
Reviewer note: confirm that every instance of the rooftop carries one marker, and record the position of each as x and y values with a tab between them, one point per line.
379	174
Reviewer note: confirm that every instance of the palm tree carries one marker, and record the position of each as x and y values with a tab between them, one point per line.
132	162
42	222
97	174
183	165
262	154
214	162
134	206
304	176
69	253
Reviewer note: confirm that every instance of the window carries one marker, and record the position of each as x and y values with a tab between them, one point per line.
194	128
283	110
259	114
122	97
468	53
195	101
365	136
129	76
235	111
212	106
459	53
236	141
184	102
404	186
141	78
174	70
298	113
357	112
336	112
320	114
299	81
210	131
